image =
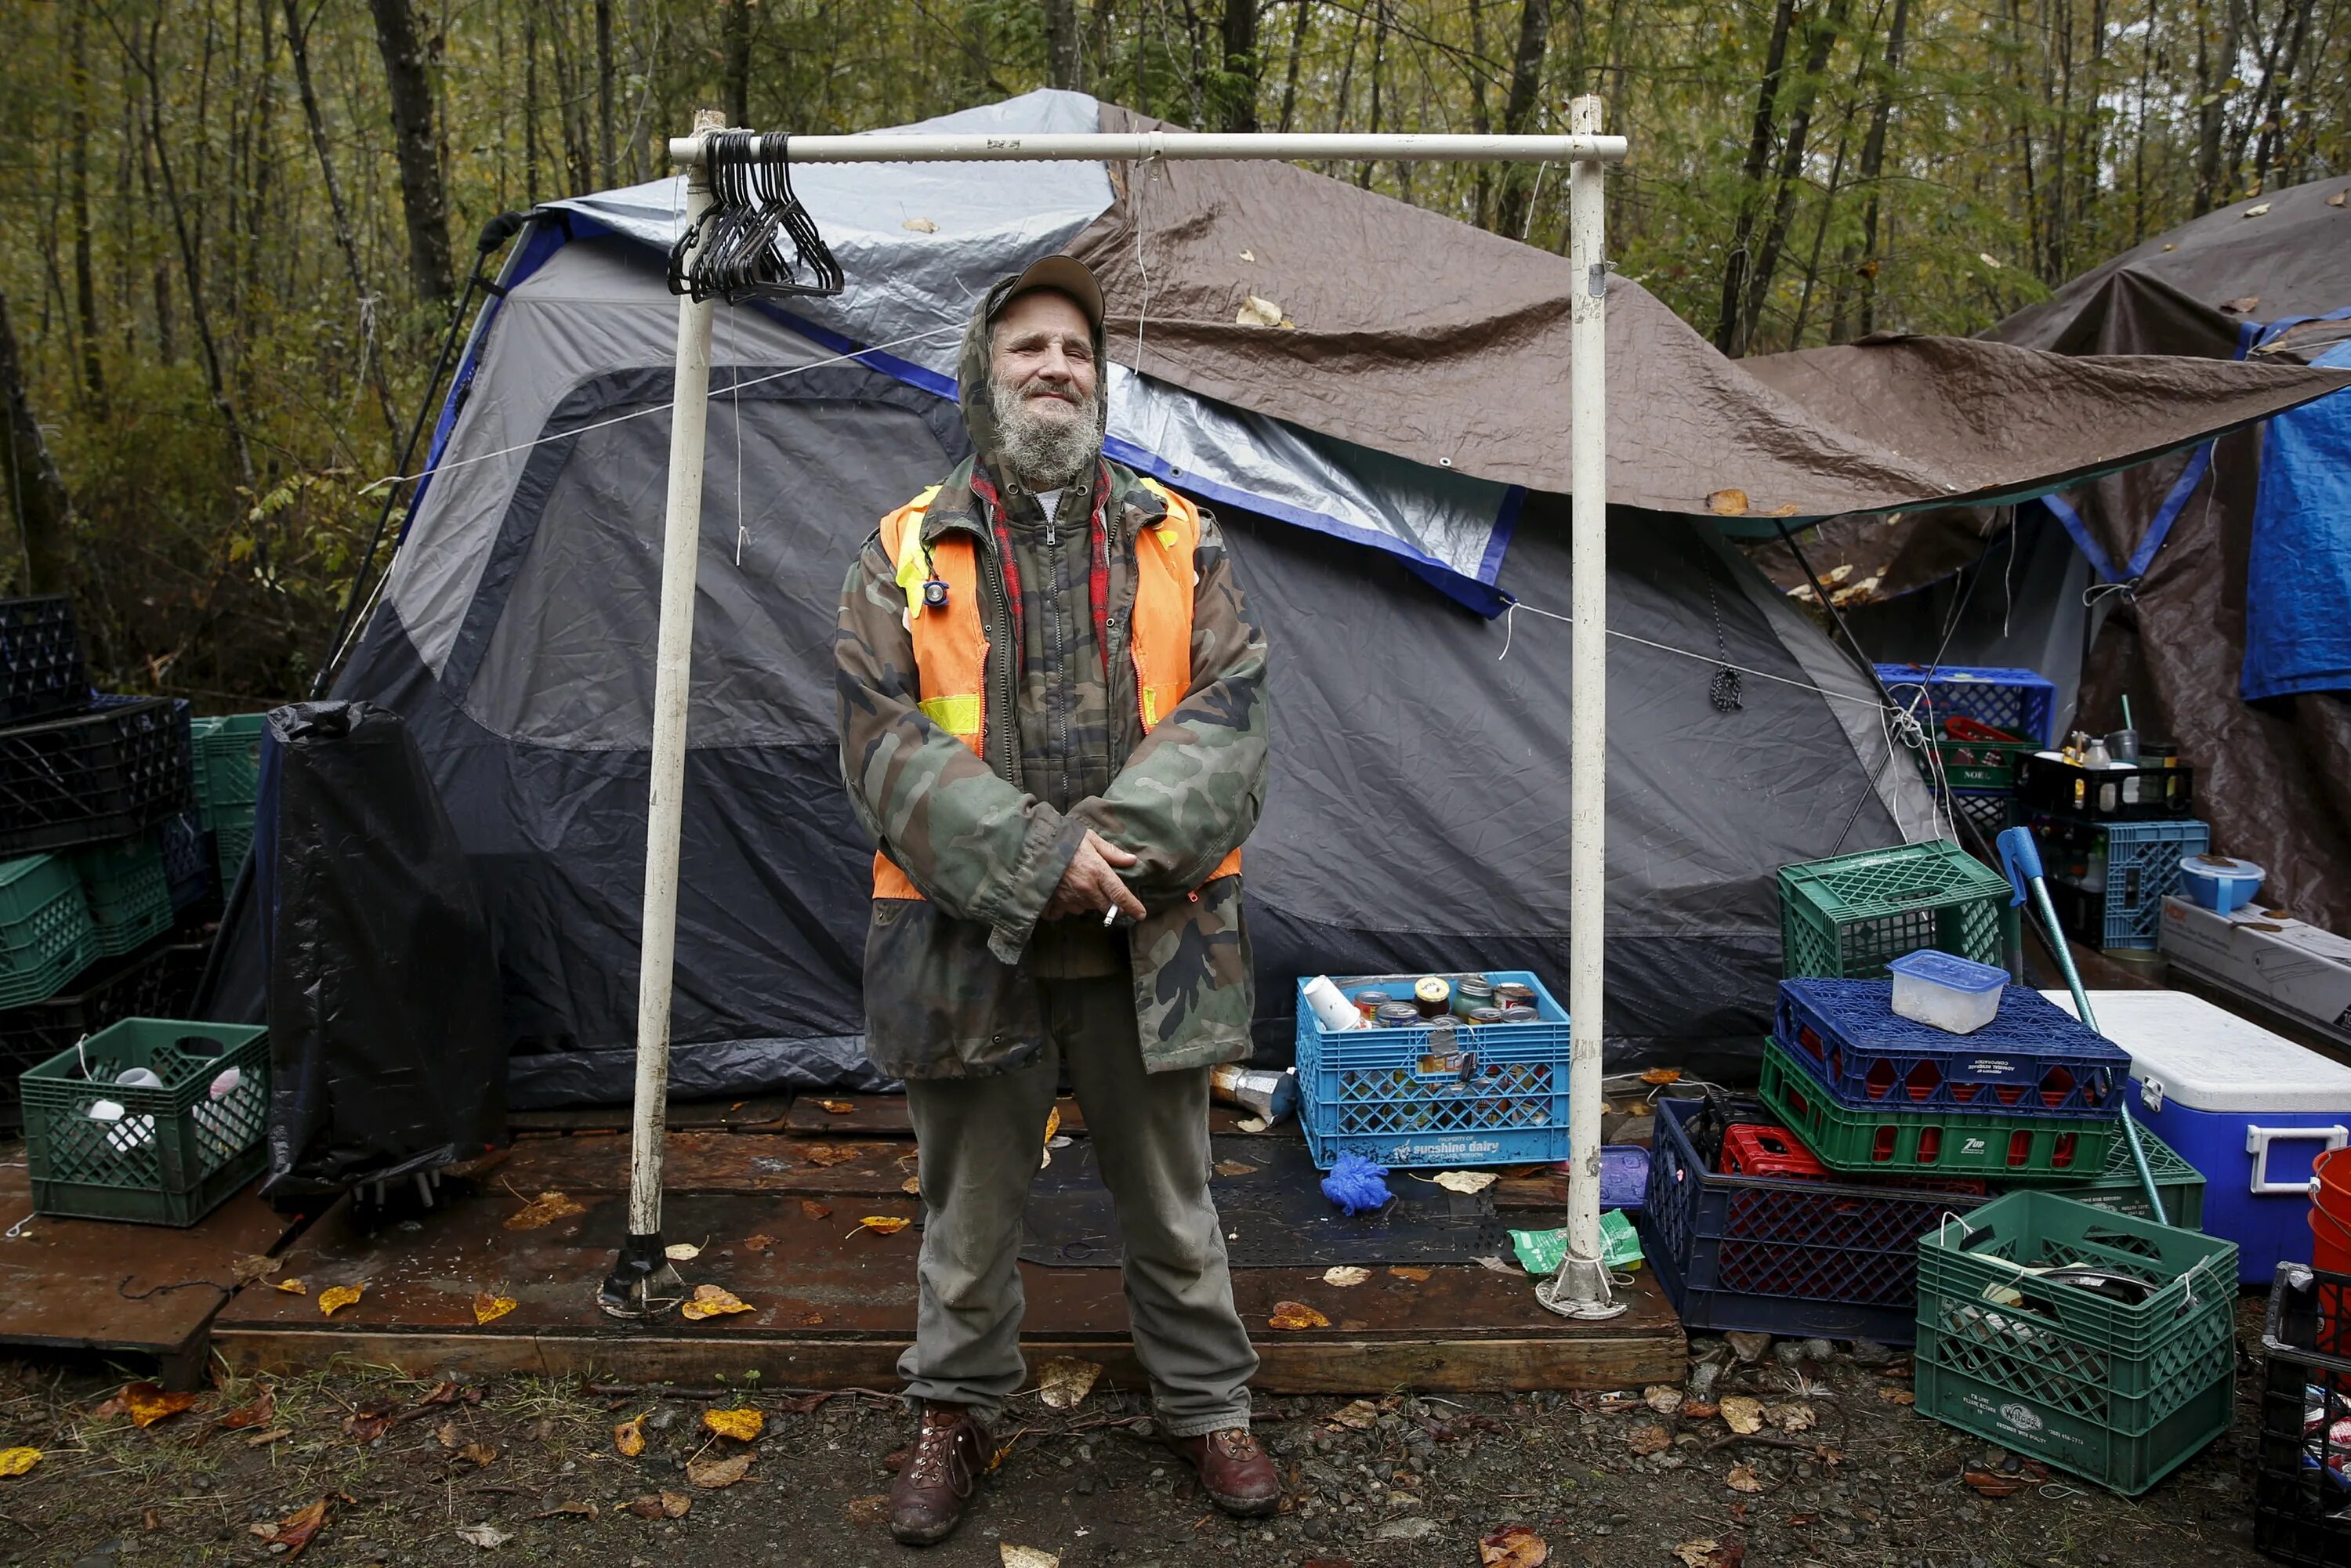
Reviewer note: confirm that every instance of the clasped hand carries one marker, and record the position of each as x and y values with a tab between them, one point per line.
1091	884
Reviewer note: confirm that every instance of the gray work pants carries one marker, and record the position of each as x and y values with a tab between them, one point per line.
981	1139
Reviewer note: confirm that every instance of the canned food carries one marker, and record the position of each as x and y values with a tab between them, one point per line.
1521	1015
1484	1016
1510	994
1396	1015
1432	994
1370	1002
1471	992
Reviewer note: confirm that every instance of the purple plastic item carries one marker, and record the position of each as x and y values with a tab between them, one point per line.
1623	1175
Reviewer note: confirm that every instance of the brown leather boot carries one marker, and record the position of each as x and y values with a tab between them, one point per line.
1237	1474
934	1486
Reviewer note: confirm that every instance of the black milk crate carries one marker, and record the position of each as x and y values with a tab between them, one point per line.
188	855
2047	782
158	981
2034	1059
2301	1476
107	773
1834	1257
41	668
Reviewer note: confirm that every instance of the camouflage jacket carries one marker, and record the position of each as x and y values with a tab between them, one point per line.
950	987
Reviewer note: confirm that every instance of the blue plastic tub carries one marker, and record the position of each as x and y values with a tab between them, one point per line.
2220	884
1478	1095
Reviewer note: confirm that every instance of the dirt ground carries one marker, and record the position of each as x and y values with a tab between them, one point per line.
404	1467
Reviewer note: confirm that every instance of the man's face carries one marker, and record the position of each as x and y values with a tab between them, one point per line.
1042	359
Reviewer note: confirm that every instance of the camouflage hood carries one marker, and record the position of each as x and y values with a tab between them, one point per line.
971	371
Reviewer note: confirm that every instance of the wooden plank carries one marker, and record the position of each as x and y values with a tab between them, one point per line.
764	1112
88	1284
710	1161
884	1116
832	1304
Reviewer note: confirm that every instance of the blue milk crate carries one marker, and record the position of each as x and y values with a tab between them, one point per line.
2034	1058
1493	1094
2141	865
1834	1257
2017	701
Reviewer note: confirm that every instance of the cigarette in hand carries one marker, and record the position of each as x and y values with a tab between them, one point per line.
1110	917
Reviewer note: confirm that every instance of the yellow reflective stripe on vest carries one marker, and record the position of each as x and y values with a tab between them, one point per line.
907	549
959	716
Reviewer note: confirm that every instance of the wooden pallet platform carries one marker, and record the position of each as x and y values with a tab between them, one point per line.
833	1305
144	1290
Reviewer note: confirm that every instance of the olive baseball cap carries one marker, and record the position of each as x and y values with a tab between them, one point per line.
1064	274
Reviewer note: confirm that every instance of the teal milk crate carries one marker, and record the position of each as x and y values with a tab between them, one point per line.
130	892
2121	1393
1442	1093
46	935
227	766
1845	919
98	1149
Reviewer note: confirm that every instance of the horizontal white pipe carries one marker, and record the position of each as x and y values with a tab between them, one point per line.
1383	147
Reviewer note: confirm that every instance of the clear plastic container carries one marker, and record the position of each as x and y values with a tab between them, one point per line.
1951	993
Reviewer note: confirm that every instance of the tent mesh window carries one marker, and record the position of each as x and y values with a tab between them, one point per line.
1846	918
174	1152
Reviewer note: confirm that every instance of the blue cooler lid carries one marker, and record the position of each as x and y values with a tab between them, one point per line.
1950	971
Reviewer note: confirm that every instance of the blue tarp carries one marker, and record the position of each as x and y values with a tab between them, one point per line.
2298	578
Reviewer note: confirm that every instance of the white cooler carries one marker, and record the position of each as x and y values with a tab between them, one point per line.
2248	1108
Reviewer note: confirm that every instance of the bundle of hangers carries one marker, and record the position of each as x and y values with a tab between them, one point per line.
736	247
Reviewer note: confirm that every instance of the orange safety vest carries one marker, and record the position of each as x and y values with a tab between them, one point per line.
951	641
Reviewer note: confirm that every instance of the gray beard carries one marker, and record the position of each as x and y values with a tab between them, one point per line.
1044	452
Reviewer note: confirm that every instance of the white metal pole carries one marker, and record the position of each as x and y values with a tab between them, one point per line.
1580	1287
1179	146
643	1283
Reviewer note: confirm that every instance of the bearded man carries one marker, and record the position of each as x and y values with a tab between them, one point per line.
1053	721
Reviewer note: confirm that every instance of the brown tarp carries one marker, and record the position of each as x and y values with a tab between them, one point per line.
1408	332
2274	777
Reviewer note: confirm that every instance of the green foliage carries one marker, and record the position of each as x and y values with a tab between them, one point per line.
2026	142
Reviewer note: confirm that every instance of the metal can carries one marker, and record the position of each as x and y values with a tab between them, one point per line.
1471	992
1370	1002
1521	1015
1432	994
1511	994
1483	1016
1396	1015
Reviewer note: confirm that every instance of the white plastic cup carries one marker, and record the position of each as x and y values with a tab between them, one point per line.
1331	1008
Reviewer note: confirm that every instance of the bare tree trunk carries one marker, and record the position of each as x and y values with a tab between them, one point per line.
409	85
606	161
1821	233
1298	12
93	371
530	101
1510	207
1820	35
1379	73
42	508
1750	200
167	334
2211	102
1481	120
1861	263
1238	88
2274	86
297	43
1061	44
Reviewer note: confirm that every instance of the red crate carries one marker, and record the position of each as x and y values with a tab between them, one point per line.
1756	1151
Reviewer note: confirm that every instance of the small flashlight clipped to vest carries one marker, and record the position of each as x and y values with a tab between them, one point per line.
934	593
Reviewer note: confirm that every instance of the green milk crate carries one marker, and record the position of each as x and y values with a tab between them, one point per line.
1934	1141
227	766
2120	1392
46	935
164	1155
2117	1189
128	890
1843	919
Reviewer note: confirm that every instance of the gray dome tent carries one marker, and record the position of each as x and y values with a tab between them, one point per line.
1417	814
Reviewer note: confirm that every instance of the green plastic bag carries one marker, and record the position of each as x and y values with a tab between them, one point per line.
1542	1251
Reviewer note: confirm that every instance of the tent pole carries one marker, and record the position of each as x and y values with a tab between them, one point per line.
643	1283
1580	1288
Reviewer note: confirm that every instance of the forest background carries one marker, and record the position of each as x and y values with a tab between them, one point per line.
234	232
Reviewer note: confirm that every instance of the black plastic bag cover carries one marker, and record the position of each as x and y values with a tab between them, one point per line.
387	1053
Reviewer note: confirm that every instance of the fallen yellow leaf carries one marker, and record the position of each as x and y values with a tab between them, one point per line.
1742	1477
335	1299
251	1266
1296	1315
1466	1183
545	1209
711	1474
1790	1417
871	1508
628	1437
837	1107
16	1461
761	1243
883	1224
1412	1271
1896	1395
710	1302
1649	1438
1026	1556
1064	1382
148	1404
681	1251
1662	1076
912	1187
1357	1415
1052	1122
742	1423
1727	502
1743	1415
1345	1274
1514	1546
488	1308
294	1287
815	1211
478	1454
1697	1553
